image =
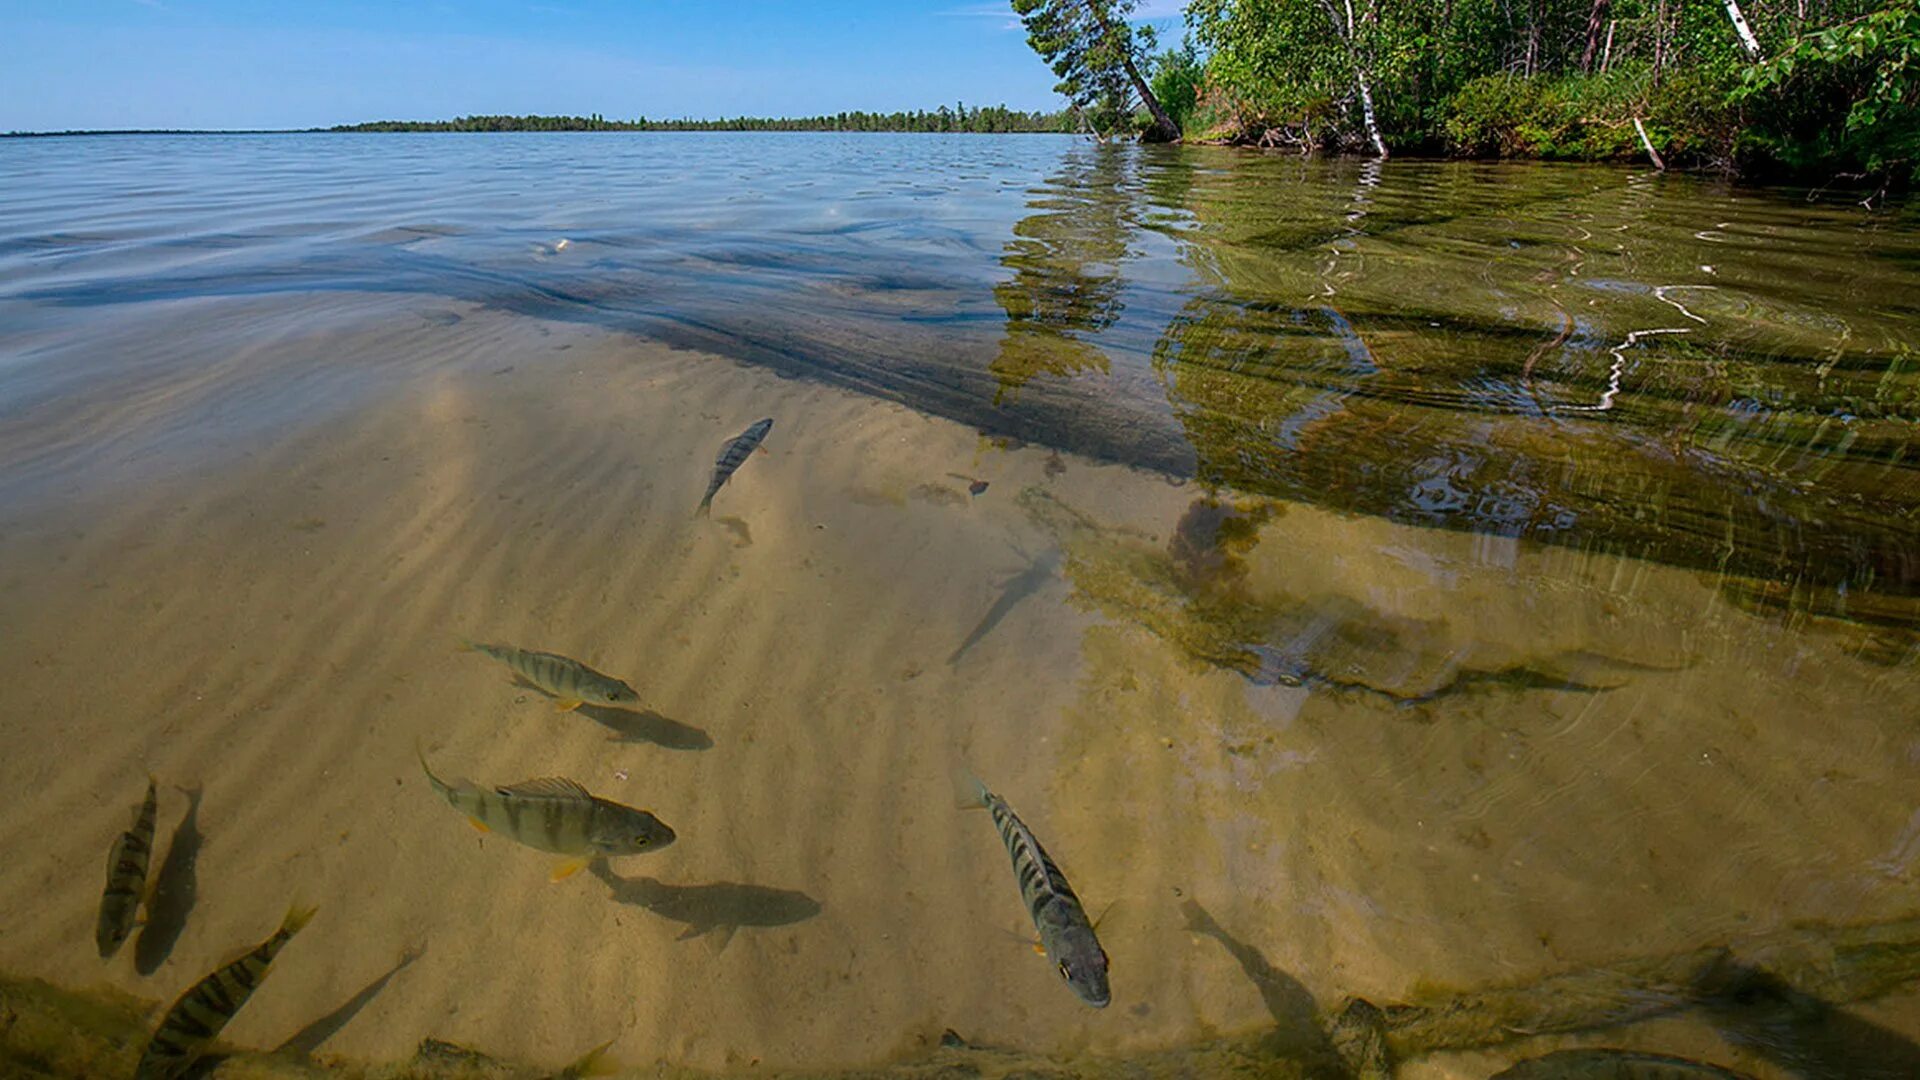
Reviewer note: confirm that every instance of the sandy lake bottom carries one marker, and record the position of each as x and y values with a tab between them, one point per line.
244	562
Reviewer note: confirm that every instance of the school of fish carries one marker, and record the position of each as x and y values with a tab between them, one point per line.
561	817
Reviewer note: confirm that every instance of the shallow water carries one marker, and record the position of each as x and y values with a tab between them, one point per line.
1387	581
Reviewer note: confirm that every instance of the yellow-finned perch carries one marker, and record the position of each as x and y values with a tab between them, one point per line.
297	917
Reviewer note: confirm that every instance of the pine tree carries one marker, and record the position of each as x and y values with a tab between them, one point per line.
1091	47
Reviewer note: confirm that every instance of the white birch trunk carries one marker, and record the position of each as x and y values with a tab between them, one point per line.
1648	143
1360	80
1747	40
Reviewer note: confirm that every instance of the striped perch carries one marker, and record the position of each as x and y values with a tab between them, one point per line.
196	1018
1066	934
732	456
127	876
554	814
568	681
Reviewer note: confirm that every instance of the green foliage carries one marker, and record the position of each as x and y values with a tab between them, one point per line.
1273	64
1177	75
1566	78
1096	54
1871	65
1590	117
960	118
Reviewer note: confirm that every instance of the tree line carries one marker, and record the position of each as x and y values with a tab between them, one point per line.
959	118
1798	86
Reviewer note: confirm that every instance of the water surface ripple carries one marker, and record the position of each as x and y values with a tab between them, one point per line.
1663	366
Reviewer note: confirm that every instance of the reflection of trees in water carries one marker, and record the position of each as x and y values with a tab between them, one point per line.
1066	279
1374	393
1417	345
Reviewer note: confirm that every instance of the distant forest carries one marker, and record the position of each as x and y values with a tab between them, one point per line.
984	119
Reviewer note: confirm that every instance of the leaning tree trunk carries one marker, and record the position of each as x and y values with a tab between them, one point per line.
1747	40
1594	21
1163	129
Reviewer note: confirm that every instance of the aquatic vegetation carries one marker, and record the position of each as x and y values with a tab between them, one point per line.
1614	1065
1193	595
1359	1037
1791	1009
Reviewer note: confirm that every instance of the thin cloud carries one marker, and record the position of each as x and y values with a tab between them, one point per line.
984	12
1002	12
1147	11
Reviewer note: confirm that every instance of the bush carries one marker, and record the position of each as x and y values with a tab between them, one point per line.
1175	80
1590	117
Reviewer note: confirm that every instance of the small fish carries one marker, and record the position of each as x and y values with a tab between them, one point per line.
1614	1065
569	681
1066	934
591	1063
732	456
975	485
196	1018
557	815
127	876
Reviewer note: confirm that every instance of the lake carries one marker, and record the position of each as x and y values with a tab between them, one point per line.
1487	590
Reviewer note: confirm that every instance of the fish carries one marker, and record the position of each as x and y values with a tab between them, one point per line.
556	815
975	485
127	876
196	1018
591	1063
1066	934
732	456
176	887
569	682
1614	1065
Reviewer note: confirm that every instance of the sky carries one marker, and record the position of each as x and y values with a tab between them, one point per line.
93	64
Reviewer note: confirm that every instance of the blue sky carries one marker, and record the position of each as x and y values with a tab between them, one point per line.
67	64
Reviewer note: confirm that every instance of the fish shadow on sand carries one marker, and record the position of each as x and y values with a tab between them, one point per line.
742	535
1802	1035
722	907
1296	1031
1028	581
304	1042
647	726
637	725
176	886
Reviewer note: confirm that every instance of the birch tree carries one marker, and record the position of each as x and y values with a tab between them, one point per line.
1348	33
1747	40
